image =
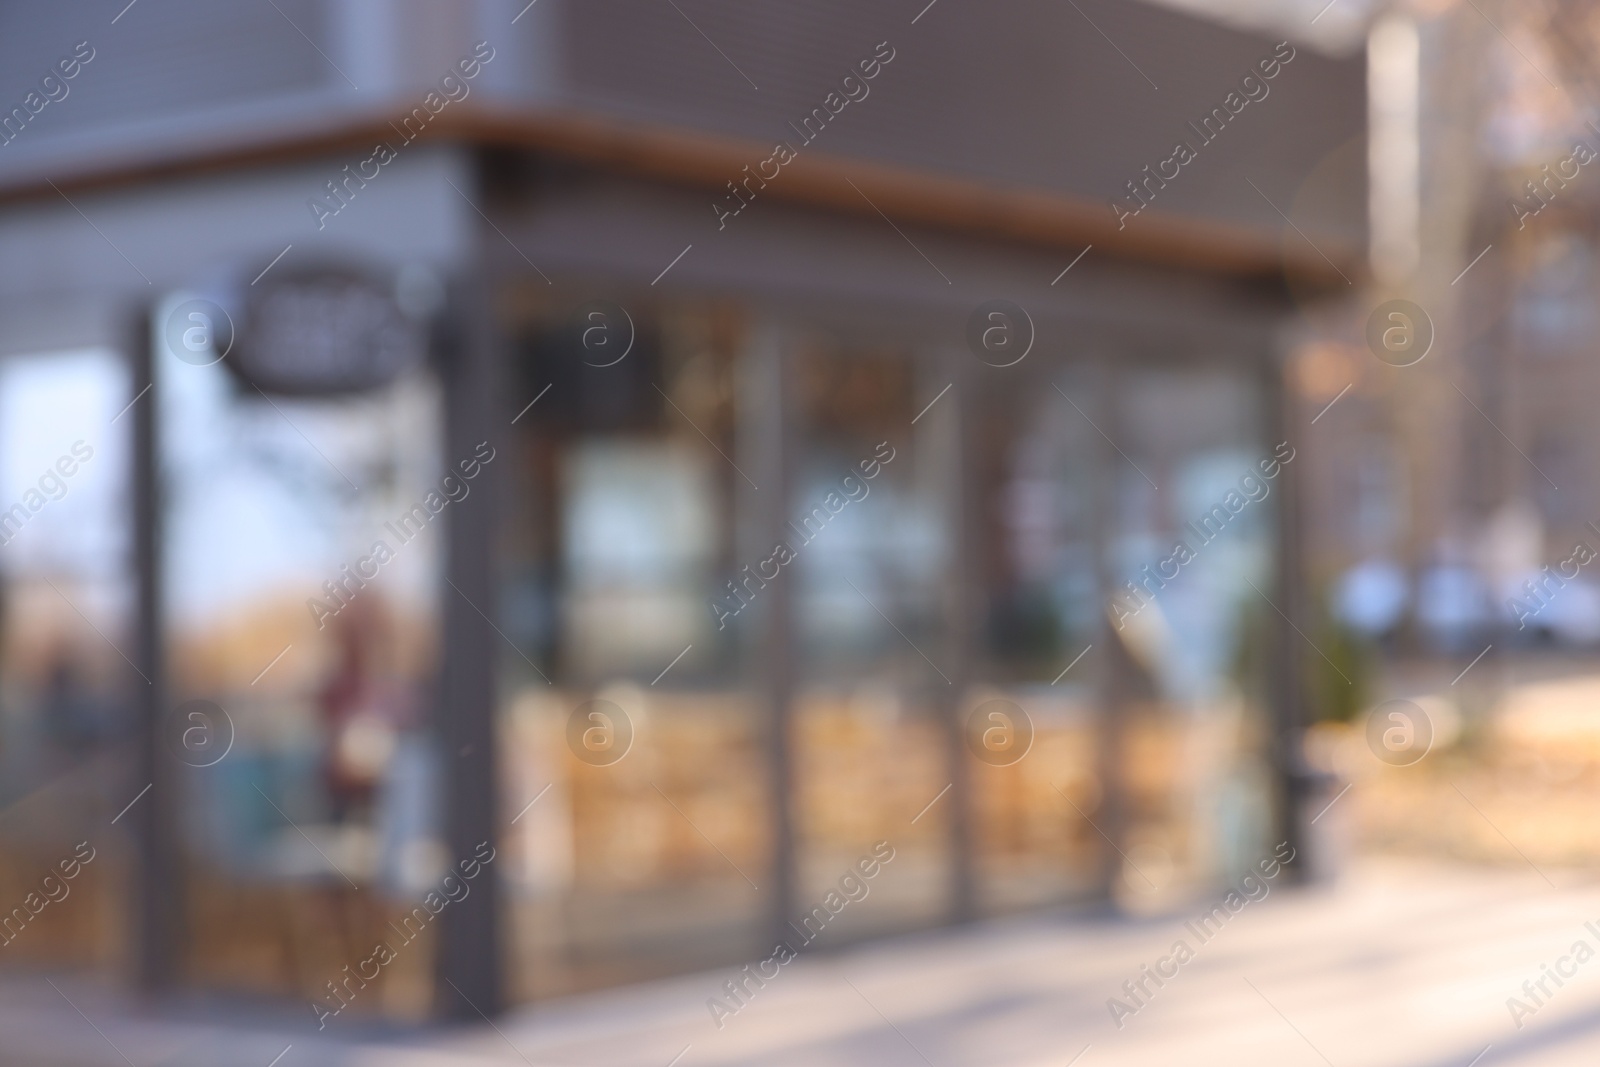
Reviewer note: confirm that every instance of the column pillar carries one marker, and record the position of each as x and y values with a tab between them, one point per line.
157	874
469	964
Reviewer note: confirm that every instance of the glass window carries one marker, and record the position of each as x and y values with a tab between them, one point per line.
1034	455
868	515
303	548
1191	556
65	676
636	820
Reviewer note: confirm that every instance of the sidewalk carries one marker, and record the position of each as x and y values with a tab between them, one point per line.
1402	965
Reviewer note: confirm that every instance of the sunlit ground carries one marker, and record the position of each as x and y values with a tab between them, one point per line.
1514	777
1400	964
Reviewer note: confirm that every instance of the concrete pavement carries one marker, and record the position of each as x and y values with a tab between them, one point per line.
1400	965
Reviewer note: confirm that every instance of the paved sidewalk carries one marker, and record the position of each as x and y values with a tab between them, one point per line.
1401	965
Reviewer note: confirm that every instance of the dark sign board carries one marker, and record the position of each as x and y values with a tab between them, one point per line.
325	331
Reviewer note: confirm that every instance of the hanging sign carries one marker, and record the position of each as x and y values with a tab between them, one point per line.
325	331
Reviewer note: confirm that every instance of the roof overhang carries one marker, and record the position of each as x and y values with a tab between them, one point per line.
1033	216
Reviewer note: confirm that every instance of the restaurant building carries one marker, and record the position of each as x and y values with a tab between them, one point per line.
555	488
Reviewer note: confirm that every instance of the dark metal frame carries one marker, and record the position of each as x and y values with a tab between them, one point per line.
157	879
469	963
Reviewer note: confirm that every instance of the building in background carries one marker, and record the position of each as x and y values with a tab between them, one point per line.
645	458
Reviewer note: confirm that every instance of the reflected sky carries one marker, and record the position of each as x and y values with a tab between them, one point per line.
47	404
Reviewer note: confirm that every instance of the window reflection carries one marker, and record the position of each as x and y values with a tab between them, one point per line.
638	527
65	681
303	542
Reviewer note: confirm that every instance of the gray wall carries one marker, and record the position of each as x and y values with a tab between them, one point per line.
67	279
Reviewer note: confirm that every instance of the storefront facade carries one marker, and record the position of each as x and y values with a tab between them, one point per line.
705	549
